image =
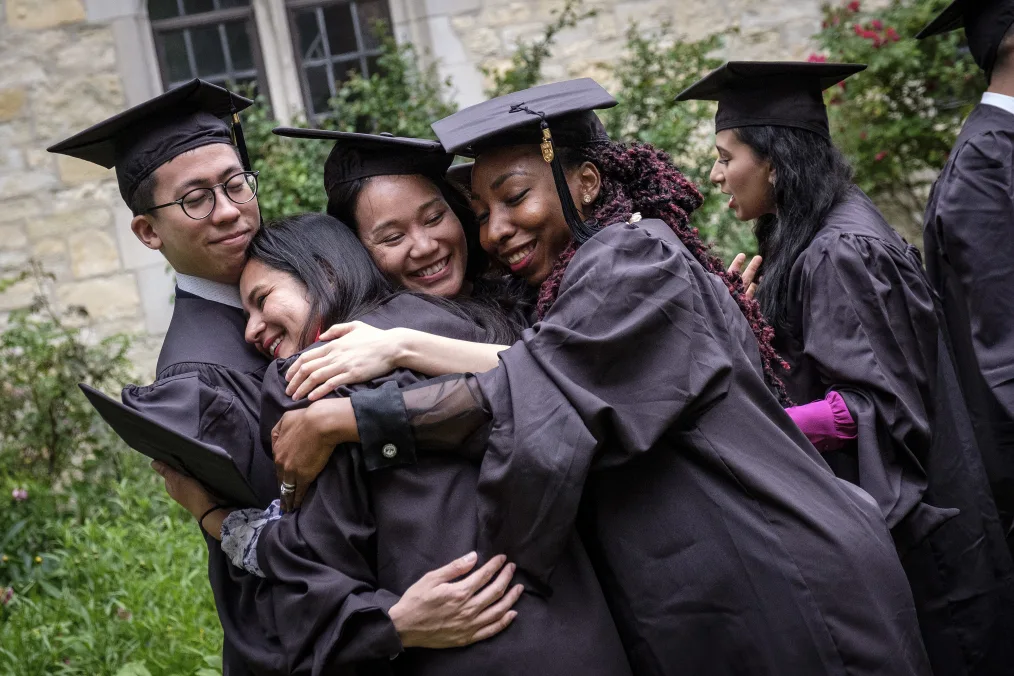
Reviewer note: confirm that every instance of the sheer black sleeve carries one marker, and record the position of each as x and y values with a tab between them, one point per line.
442	414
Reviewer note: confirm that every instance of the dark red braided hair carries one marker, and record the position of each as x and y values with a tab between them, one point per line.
640	178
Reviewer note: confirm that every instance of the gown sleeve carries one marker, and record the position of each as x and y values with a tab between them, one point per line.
212	404
592	386
321	597
976	213
869	327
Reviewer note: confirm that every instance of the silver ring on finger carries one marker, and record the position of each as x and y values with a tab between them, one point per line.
287	488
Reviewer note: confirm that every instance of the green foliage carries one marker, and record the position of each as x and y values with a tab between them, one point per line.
525	69
100	572
898	119
402	98
107	577
46	424
659	65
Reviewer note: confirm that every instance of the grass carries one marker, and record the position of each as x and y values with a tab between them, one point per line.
108	578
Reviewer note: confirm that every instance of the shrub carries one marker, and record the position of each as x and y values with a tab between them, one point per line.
898	119
401	98
659	65
46	424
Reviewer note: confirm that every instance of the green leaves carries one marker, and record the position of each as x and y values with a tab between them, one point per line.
403	97
898	119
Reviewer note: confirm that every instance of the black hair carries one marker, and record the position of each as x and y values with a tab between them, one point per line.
811	178
342	281
1004	53
144	195
343	198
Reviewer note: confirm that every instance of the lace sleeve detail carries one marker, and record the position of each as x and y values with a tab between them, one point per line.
445	413
241	531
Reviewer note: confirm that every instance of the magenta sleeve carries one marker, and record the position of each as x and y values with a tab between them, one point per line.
826	422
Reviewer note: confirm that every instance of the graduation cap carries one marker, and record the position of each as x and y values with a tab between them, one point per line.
985	23
210	465
141	139
770	93
557	115
358	156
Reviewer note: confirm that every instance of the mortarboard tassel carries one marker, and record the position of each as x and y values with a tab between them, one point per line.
580	229
240	141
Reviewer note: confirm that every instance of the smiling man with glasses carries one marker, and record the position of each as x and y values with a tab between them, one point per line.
181	168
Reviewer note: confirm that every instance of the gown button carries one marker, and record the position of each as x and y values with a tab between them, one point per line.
389	450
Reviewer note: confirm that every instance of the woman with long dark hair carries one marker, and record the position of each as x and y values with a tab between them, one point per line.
350	574
394	194
857	323
638	408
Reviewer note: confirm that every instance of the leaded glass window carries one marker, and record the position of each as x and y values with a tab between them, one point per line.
332	38
215	40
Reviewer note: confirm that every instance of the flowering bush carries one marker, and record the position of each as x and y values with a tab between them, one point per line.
46	424
898	119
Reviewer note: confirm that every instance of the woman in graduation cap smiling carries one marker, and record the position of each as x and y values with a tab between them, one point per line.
638	408
420	231
857	322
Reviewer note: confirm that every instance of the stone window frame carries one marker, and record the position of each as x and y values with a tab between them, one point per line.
217	17
331	60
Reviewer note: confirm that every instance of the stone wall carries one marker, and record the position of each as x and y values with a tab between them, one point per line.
466	34
59	74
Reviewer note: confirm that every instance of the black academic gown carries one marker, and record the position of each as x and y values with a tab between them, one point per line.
361	539
208	387
864	323
969	250
724	543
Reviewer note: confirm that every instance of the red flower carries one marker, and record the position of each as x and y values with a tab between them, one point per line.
854	6
842	85
876	25
863	135
835	100
876	42
880	156
816	58
892	34
859	30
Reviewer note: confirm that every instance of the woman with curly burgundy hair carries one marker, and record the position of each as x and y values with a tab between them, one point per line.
637	409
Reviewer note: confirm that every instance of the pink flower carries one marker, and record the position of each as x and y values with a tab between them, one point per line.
816	58
859	30
880	156
876	24
6	595
892	34
853	6
19	494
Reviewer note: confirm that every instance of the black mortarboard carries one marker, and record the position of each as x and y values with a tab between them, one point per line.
985	22
359	156
210	465
551	115
770	93
140	140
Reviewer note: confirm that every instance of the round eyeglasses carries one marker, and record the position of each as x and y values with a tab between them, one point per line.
200	202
